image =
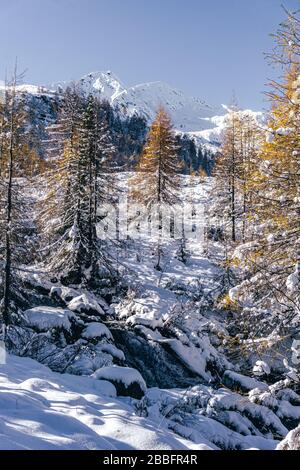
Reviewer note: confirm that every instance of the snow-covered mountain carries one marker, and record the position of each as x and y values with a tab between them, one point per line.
211	135
191	116
187	113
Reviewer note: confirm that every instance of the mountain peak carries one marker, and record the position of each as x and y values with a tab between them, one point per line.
187	113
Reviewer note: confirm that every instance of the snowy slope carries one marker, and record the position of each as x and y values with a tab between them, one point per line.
40	409
192	116
211	135
215	405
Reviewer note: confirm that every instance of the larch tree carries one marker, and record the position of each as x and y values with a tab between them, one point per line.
233	173
157	179
14	207
225	173
272	258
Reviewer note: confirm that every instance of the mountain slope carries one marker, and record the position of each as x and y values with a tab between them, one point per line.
187	113
191	117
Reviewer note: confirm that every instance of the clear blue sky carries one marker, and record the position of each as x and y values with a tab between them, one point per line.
207	48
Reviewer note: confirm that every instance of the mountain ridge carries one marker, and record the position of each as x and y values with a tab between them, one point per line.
190	116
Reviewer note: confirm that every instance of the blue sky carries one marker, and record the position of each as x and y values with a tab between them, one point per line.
207	48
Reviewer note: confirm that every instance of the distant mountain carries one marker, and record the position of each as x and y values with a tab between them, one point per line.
211	136
191	116
187	113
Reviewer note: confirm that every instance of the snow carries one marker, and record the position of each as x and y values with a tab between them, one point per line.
169	311
202	122
197	414
291	442
125	375
43	410
43	318
293	280
226	400
216	125
270	136
186	112
113	351
85	303
261	368
194	358
158	299
32	89
284	131
234	293
64	293
96	330
243	382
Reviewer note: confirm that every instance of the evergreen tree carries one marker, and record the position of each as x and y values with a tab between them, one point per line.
76	191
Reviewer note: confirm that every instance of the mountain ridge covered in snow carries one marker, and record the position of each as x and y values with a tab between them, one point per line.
187	113
192	116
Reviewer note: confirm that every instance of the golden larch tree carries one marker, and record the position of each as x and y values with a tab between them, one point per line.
157	178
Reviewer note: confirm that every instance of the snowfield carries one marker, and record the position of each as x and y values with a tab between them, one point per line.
40	409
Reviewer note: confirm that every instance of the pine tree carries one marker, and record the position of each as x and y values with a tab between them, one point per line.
157	180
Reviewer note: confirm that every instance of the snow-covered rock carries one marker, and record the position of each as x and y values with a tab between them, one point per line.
64	293
291	441
293	280
86	303
96	330
127	381
44	318
113	351
261	368
240	382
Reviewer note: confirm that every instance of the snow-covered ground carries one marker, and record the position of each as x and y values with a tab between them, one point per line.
40	409
199	399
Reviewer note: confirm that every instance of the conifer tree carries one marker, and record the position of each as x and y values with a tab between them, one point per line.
77	189
157	180
233	174
225	173
272	258
14	207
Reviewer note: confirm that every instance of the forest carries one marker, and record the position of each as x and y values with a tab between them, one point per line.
142	268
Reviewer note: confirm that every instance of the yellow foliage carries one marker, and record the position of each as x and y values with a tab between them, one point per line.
226	303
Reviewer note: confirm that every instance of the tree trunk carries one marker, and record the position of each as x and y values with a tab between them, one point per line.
7	264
